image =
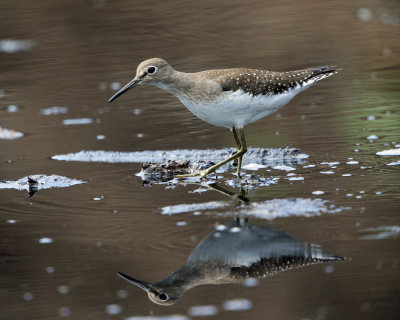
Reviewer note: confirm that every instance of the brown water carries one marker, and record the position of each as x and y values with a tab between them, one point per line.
81	47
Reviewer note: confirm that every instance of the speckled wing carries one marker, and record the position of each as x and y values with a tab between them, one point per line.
263	82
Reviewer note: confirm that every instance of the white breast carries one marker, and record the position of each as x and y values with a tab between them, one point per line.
237	109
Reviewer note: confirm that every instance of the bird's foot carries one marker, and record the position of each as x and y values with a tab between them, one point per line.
202	174
188	175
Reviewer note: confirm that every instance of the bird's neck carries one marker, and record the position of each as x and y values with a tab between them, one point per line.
191	275
177	82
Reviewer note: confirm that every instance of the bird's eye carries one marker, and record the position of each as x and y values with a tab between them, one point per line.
163	297
151	70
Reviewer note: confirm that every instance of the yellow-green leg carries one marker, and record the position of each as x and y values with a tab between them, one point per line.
238	143
239	154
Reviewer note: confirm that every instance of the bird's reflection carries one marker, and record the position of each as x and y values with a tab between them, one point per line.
232	254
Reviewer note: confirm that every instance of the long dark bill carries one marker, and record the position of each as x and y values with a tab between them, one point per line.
141	284
129	86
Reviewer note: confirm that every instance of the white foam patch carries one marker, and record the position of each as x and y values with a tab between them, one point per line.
352	162
396	163
43	182
237	305
253	166
391	152
383	232
296	178
13	46
327	172
69	122
271	209
335	163
253	155
53	110
251	183
113	309
45	240
9	134
284	168
181	208
168	317
197	311
283	208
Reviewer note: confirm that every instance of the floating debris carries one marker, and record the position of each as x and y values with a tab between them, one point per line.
9	134
13	46
372	137
352	162
54	110
69	122
383	232
163	172
391	152
36	182
318	192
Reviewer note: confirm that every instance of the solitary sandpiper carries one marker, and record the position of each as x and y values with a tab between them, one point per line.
230	98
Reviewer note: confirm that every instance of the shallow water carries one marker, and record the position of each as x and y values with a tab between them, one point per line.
62	247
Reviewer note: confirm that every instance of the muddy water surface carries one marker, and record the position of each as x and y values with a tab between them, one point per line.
62	247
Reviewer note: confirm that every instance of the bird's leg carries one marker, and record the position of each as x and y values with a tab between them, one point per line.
239	154
236	138
239	145
244	145
242	150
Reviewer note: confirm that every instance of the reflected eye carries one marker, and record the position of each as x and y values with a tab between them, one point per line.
151	70
163	296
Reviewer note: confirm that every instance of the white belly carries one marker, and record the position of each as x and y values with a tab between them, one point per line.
237	109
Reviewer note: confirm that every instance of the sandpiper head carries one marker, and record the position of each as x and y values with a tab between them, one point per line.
151	71
156	293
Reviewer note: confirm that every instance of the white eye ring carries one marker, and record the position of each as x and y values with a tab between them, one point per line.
163	296
152	69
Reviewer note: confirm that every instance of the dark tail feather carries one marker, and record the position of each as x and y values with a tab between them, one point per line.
322	72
